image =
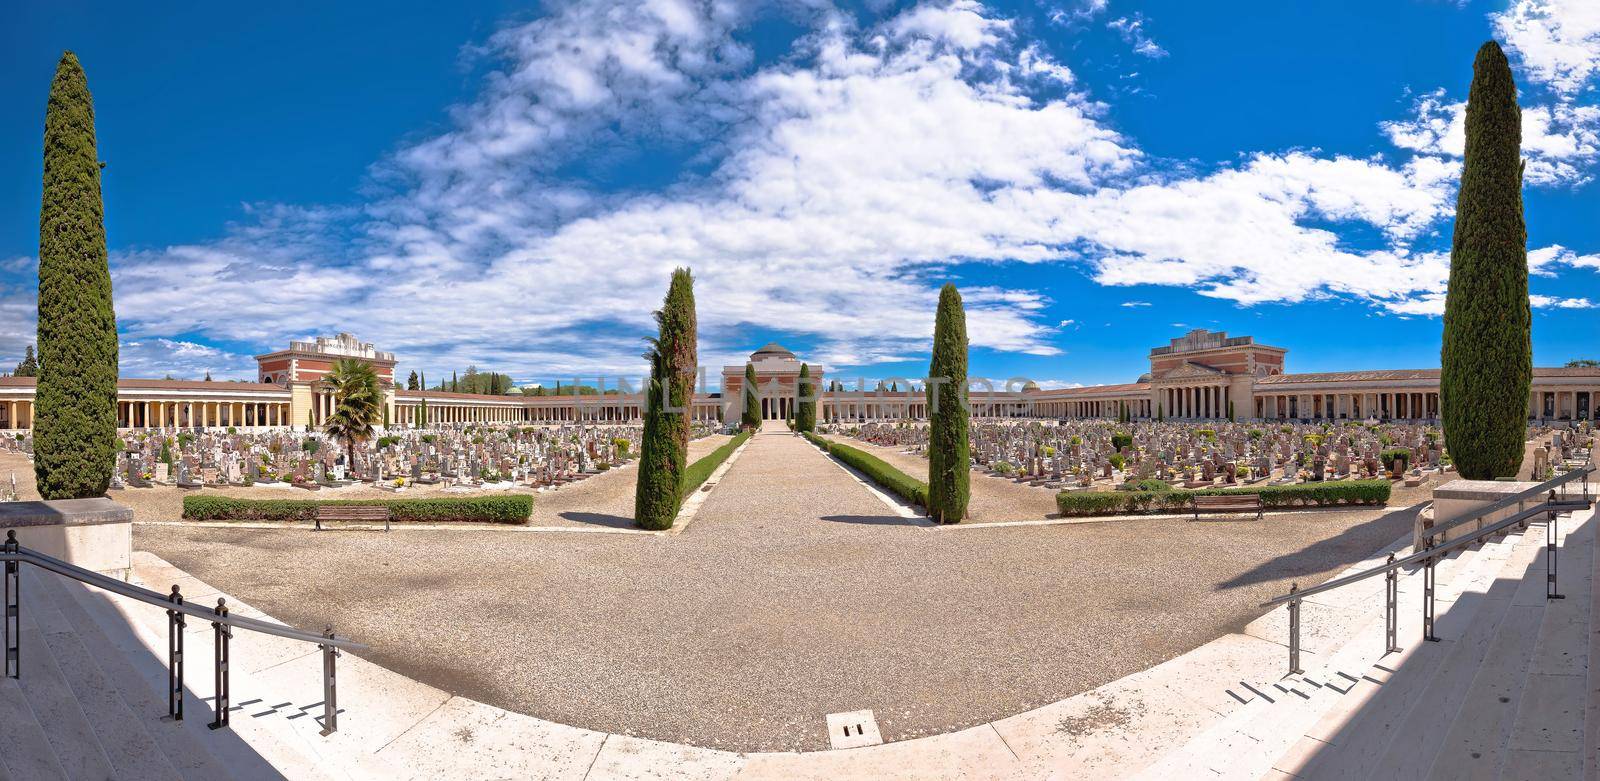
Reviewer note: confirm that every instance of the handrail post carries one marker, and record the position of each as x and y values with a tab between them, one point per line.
330	693
222	634
175	624
1294	632
13	610
1391	612
1552	520
1427	598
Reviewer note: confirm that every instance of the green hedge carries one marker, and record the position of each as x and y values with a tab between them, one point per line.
508	508
700	471
880	471
1273	497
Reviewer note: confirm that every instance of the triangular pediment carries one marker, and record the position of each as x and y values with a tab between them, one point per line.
1189	370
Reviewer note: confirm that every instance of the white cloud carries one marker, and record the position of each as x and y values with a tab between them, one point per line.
1557	41
1558	302
830	192
1131	28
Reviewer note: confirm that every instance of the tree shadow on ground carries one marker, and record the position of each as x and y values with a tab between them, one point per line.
1341	550
600	519
873	520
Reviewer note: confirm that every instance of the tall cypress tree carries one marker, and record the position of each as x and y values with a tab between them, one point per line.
1487	350
664	449
805	417
949	457
75	433
752	399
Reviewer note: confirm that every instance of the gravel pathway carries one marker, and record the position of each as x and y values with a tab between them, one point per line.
993	498
793	595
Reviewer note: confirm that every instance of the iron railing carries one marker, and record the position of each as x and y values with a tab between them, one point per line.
1431	554
222	622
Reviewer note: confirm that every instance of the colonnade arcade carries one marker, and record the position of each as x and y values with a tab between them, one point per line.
1399	405
196	414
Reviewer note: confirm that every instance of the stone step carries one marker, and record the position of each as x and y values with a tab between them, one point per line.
133	754
25	752
1548	733
1349	637
1396	727
183	750
1476	738
54	705
280	681
250	748
1411	751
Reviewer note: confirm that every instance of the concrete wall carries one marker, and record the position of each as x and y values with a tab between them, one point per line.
1461	497
95	534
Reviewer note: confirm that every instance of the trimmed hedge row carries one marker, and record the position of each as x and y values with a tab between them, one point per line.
510	508
1325	494
700	471
880	471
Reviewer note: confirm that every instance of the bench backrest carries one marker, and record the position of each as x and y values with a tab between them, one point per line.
352	513
1234	500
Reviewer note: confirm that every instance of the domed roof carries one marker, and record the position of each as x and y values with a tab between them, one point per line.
771	350
1143	377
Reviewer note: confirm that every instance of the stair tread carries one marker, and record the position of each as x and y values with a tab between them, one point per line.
248	749
27	752
191	759
133	754
55	706
1362	745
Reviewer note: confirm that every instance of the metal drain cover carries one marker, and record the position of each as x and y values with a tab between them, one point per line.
853	729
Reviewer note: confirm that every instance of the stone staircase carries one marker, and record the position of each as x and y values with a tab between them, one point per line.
91	700
1504	693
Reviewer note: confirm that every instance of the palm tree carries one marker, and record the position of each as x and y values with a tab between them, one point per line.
358	403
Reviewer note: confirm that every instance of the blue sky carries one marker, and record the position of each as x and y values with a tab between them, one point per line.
508	185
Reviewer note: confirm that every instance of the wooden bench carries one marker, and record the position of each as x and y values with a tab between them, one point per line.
353	513
1230	503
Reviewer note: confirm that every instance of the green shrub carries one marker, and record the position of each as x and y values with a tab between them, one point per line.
509	508
1207	433
1147	484
1117	461
1256	433
621	444
1121	440
1327	494
1388	457
880	471
700	471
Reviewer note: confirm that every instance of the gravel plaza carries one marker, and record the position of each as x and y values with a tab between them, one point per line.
795	593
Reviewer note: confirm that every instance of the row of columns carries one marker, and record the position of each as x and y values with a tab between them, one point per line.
1414	405
1099	408
192	414
1195	401
1552	404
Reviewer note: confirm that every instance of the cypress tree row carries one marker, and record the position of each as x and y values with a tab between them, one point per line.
949	456
752	399
75	431
805	418
664	450
1487	352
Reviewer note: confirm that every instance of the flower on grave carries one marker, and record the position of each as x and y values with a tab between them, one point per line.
399	482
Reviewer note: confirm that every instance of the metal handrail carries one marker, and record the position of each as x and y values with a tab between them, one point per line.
1431	554
163	601
1428	553
222	622
1558	481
